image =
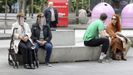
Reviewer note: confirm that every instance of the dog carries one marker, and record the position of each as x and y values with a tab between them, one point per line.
120	53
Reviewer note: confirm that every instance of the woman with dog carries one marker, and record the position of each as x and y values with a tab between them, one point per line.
118	41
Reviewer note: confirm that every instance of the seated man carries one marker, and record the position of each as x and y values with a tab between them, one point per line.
23	34
41	36
91	36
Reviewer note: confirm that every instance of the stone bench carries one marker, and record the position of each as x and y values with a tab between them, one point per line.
71	54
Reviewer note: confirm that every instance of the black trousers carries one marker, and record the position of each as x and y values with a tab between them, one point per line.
97	42
53	24
24	48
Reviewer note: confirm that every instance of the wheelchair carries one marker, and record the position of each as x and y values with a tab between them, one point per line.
15	59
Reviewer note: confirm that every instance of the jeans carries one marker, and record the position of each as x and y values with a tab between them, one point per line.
48	47
97	42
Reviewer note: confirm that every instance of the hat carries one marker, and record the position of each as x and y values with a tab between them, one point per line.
20	15
40	15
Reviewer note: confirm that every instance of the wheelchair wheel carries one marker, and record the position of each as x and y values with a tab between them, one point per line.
17	64
36	64
14	65
10	62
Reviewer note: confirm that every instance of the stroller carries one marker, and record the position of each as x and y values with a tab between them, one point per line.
14	59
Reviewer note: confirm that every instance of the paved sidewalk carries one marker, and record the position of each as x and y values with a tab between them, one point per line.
68	68
71	68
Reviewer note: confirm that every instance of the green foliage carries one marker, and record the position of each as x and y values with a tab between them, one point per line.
81	4
39	4
2	10
9	3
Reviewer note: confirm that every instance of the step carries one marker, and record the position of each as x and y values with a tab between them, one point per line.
71	54
79	38
63	37
59	37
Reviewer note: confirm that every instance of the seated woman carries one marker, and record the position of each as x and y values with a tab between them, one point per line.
23	34
118	41
41	36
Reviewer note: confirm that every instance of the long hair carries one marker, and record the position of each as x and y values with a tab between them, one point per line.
118	25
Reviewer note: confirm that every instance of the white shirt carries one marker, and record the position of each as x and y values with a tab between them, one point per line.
52	14
20	31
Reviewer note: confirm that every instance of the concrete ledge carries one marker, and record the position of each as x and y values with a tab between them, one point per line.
63	37
131	38
4	36
59	37
71	54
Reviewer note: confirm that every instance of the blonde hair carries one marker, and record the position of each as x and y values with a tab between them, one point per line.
50	3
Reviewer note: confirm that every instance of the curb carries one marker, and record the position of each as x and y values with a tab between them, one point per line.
4	36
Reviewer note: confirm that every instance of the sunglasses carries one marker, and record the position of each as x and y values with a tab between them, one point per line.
114	19
40	16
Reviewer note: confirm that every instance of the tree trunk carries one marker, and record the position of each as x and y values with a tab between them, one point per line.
22	6
10	8
77	8
70	5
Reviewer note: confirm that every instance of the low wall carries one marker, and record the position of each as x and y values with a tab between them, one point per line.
71	54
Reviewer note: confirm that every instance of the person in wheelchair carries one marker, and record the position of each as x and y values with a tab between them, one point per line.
41	36
23	34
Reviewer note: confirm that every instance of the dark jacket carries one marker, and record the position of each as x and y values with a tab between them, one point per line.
36	32
47	14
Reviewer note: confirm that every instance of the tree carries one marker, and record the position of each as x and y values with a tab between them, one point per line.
9	3
81	4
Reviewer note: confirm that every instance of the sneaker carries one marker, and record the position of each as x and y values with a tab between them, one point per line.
32	66
26	66
49	65
102	56
100	61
